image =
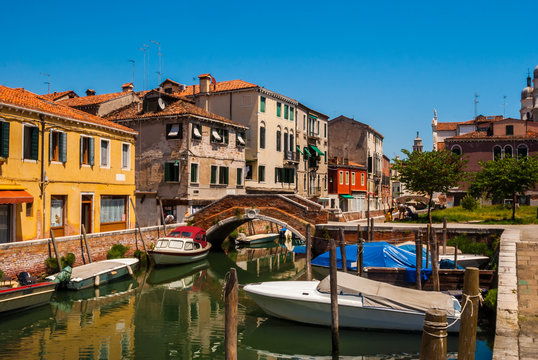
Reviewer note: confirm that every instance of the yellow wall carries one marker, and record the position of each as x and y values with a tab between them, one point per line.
70	178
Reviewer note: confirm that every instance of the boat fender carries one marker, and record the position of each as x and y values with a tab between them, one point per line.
96	281
130	270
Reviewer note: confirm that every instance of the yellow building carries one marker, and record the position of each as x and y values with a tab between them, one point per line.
61	168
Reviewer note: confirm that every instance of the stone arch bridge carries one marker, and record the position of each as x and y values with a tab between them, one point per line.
221	217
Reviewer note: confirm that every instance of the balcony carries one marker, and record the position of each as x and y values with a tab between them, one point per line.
292	156
315	191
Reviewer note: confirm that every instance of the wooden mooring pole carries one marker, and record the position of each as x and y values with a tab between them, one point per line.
360	250
230	316
86	243
371	229
418	252
456	256
469	315
308	253
334	299
53	239
342	244
435	262
445	230
428	230
434	336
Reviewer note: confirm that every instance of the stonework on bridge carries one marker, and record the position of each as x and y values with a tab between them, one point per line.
221	217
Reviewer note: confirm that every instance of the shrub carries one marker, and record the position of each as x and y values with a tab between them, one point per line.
68	260
51	264
468	246
140	255
116	251
469	202
1	274
491	299
233	235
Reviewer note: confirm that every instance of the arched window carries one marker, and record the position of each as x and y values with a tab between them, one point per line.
286	140
497	152
507	150
278	140
292	147
522	151
456	149
262	136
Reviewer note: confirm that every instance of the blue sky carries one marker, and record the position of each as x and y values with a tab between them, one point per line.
388	63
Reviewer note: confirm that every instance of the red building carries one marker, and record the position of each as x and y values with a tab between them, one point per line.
347	186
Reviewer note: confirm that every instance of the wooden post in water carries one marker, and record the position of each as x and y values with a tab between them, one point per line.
428	231
86	243
343	250
456	256
418	252
55	249
334	299
230	316
138	227
360	250
444	235
469	315
371	229
434	336
162	216
435	262
308	254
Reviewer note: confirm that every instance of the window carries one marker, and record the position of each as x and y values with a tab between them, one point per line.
285	175
223	175
352	178
278	109
113	213
194	173
509	129
125	156
522	151
4	139
292	148
240	137
248	172
497	152
105	153
57	214
341	177
214	170
362	179
292	110
262	137
86	150
261	173
57	146
219	135
196	131
347	177
239	176
286	141
171	171
31	142
325	156
325	130
278	140
286	111
507	151
262	104
174	131
456	149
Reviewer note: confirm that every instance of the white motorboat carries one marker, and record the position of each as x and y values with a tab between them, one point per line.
183	245
467	260
362	303
257	239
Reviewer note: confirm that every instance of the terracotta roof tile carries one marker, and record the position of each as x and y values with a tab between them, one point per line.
28	100
127	84
483	135
448	126
56	95
220	86
94	99
169	81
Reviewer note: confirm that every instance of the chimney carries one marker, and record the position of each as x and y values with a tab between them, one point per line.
127	87
90	92
205	81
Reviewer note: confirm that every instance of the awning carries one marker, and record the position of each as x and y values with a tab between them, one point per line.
216	135
15	197
196	133
346	196
306	152
299	149
321	153
240	139
174	130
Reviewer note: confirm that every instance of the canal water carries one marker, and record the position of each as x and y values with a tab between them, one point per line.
178	313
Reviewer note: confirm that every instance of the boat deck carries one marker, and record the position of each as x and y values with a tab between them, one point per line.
92	269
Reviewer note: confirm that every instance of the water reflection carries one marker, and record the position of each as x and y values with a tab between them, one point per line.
178	313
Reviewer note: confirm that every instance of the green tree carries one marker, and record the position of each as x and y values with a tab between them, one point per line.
505	178
429	172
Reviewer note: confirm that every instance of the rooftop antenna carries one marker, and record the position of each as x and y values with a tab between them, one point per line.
476	96
144	48
160	60
47	82
504	106
132	61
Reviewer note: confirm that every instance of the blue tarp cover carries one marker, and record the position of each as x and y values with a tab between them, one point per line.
378	254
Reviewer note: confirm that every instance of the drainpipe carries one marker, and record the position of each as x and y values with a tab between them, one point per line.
43	176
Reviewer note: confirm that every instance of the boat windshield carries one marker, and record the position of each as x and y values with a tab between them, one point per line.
174	234
162	244
189	246
176	244
186	234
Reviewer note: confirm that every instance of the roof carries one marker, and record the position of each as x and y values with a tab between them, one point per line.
482	135
179	107
448	126
94	99
56	95
452	126
28	100
127	84
169	81
219	87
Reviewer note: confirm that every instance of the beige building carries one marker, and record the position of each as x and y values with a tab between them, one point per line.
186	157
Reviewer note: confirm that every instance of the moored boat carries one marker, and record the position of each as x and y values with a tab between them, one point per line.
25	297
362	303
257	239
184	244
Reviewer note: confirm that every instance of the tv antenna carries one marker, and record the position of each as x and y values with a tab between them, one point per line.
132	61
144	48
476	96
504	106
47	82
160	60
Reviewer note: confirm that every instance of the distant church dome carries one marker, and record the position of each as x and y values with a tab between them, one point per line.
527	92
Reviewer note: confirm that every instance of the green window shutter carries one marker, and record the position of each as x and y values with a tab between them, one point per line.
239	176
51	149
194	172
226	175
81	150
262	138
213	174
292	110
276	175
166	171
63	147
4	139
35	143
286	111
90	151
262	104
278	109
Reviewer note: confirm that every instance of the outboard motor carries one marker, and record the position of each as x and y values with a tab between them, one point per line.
25	279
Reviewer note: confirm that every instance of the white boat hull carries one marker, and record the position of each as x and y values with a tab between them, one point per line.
176	259
26	297
301	302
